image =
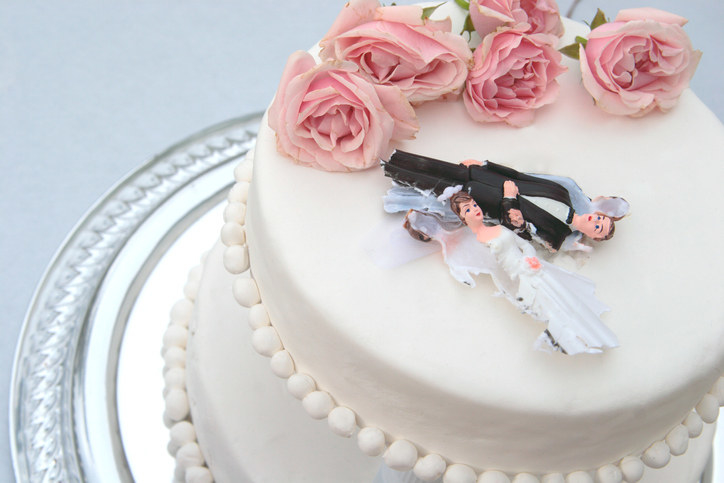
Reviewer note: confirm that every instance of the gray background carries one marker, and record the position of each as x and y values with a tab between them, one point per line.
91	90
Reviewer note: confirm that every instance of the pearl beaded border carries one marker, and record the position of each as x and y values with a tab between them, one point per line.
400	454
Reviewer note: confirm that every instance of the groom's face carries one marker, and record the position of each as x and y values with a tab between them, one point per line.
595	226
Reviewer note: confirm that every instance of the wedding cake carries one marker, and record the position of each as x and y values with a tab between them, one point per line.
410	370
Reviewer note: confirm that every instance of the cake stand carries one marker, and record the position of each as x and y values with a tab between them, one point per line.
85	398
86	394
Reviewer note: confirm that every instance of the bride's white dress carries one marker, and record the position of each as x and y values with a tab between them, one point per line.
565	301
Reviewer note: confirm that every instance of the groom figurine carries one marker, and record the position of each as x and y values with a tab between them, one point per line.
535	207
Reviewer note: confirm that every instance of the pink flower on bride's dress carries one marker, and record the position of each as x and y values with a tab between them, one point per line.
533	263
396	46
529	16
332	117
641	61
514	74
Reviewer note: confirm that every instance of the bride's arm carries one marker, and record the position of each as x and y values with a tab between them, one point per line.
525	247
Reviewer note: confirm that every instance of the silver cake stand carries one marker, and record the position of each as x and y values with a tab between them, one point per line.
85	397
86	394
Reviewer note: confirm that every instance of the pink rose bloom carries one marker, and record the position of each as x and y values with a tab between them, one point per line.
395	46
332	117
529	16
543	16
641	61
514	73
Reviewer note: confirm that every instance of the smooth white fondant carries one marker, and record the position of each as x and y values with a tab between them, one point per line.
394	331
686	468
430	467
718	391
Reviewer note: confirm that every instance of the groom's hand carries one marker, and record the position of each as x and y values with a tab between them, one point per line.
510	189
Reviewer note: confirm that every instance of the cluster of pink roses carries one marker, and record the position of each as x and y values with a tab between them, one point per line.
378	62
341	115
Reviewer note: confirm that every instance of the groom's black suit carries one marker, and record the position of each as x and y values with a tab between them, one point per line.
485	185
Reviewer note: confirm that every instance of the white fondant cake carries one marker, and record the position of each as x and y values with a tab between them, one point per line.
440	378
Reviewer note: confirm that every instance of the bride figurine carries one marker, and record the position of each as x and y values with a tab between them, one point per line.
563	300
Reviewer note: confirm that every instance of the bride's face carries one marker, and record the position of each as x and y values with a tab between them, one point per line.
471	212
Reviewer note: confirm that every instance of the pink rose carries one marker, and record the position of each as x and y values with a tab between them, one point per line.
529	16
514	73
642	60
332	117
395	46
543	16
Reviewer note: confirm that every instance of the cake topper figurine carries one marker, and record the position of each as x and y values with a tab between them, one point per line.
485	217
563	300
551	210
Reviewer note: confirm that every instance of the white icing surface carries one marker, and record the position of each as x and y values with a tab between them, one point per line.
226	435
451	368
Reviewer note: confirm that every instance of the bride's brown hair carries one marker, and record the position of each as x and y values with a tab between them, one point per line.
457	200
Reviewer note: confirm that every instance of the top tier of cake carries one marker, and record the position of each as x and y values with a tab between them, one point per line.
451	368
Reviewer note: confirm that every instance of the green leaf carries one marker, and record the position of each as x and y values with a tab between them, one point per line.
463	4
468	26
570	51
427	11
599	19
581	40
